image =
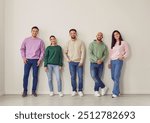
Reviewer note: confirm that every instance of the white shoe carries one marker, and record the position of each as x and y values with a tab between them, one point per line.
80	93
60	94
103	91
74	93
114	96
51	94
97	94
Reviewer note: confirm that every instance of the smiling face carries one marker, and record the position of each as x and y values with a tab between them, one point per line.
34	32
117	36
53	40
99	36
73	34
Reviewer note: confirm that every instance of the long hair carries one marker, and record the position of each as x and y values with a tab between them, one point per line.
114	40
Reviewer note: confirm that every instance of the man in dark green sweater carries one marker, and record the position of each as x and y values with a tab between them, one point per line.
98	52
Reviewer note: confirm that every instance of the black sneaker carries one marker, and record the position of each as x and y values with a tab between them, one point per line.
34	94
24	94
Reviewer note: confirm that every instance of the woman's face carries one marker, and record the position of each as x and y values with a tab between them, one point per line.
53	40
116	35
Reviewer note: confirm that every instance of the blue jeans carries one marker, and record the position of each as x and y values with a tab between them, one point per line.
96	71
56	70
74	69
116	67
30	63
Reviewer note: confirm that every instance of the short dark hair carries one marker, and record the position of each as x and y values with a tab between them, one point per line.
35	27
72	30
52	36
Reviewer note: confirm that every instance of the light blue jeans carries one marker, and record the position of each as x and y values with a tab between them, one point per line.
116	67
56	70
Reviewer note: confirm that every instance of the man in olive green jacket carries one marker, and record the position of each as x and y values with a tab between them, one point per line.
98	52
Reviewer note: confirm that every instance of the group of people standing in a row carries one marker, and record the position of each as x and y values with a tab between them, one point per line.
33	52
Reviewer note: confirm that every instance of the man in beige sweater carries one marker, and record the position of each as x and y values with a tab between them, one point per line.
75	54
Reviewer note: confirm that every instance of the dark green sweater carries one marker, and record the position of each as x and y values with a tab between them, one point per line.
53	55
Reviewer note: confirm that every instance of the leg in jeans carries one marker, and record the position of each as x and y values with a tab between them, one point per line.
95	73
27	68
80	77
113	65
73	69
100	73
58	77
49	76
35	74
117	73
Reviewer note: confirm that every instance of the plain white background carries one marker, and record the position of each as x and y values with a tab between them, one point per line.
1	47
130	17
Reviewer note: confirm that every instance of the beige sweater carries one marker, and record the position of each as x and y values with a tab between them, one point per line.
75	51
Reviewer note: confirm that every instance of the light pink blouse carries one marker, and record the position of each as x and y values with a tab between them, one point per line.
119	51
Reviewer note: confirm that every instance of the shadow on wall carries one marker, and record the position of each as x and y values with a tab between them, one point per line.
124	71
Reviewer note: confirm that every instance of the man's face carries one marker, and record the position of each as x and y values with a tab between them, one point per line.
35	32
99	36
73	34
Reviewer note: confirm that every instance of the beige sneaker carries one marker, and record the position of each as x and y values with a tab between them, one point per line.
97	94
114	96
74	93
80	93
60	94
51	94
104	91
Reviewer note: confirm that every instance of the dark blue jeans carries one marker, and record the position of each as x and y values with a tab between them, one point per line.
30	63
75	69
96	71
116	67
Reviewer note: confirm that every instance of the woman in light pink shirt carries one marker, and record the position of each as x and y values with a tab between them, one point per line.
118	53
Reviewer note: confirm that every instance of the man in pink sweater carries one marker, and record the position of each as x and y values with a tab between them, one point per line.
32	52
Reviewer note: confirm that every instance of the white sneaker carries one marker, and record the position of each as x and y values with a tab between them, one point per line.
60	94
114	96
51	94
103	91
80	93
74	93
97	94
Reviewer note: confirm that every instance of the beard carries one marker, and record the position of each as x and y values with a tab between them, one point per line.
73	37
99	39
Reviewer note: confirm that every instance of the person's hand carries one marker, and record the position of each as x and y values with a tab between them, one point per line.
68	60
121	58
60	68
25	60
109	66
46	69
80	64
99	61
39	62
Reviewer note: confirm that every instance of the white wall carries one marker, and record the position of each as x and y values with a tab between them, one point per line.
56	17
1	47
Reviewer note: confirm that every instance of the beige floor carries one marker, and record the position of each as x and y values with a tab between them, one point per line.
67	100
